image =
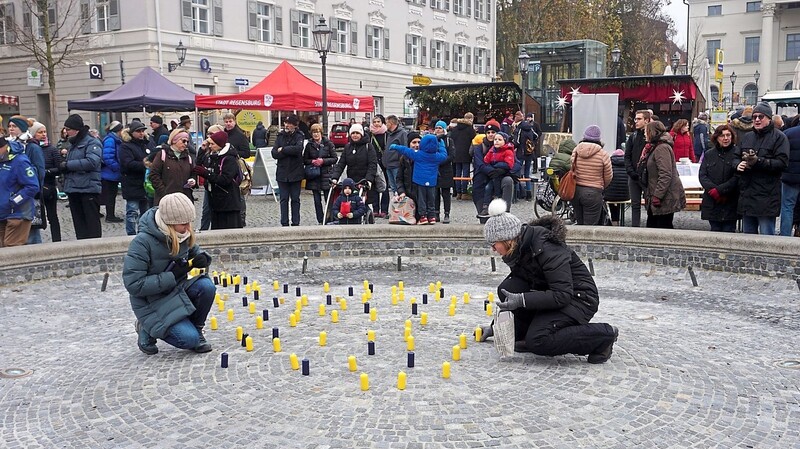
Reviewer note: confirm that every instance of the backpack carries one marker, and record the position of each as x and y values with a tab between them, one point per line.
245	177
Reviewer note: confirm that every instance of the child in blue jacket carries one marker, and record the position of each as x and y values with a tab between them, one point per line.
431	153
355	208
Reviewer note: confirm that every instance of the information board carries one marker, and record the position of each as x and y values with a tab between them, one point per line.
264	169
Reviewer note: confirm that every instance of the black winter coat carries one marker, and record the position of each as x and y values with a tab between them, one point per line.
52	159
259	136
792	173
131	161
718	171
221	184
633	152
558	278
238	141
327	151
445	179
290	157
360	160
760	185
618	189
462	136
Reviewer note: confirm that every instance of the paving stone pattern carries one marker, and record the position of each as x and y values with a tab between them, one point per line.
694	367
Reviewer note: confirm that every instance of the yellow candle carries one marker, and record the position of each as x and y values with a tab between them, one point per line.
221	306
255	284
334	316
230	314
247	289
438	285
364	382
466	298
293	320
369	294
423	318
214	273
456	353
452	309
259	322
276	344
370	335
453	299
275	285
297	314
406	334
446	370
351	363
408	323
294	362
343	304
401	381
237	280
257	288
322	310
213	323
373	314
394	299
394	289
410	343
323	338
437	295
252	308
478	333
364	297
217	297
401	296
431	287
298	304
248	344
304	300
413	300
230	280
400	285
462	341
366	284
282	300
326	287
489	309
490	296
239	333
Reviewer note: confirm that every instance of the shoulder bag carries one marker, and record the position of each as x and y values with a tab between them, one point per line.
567	183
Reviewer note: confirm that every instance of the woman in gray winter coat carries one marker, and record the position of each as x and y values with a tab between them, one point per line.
155	271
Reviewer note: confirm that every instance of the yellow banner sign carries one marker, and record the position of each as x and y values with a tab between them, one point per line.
420	80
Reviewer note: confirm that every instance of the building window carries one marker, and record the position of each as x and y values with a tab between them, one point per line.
378	102
264	19
711	50
792	47
377	42
483	10
750	94
753	6
418	2
751	46
787	86
440	55
345	36
462	58
442	5
7	35
482	63
715	95
265	22
416	49
715	10
462	7
200	17
301	28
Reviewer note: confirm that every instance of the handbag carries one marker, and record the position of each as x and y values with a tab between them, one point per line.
39	220
312	171
567	183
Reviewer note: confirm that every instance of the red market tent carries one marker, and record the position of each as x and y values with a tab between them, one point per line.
285	89
646	89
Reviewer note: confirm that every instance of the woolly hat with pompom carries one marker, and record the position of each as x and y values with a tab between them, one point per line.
501	225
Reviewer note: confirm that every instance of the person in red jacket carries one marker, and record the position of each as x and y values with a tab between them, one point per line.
683	140
501	158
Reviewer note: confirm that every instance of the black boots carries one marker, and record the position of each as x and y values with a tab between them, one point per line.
147	344
605	354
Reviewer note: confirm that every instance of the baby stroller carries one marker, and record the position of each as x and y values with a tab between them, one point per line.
547	199
334	192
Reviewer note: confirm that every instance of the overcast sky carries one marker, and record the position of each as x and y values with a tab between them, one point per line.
677	10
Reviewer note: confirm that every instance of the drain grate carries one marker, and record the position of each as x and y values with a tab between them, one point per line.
14	373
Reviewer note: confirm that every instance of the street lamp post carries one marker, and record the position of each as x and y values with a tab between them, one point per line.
676	60
756	76
523	71
180	50
733	81
322	43
615	55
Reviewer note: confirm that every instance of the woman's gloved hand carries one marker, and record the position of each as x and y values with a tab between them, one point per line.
513	300
202	260
180	270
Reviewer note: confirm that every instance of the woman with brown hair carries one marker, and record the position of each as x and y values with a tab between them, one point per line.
718	178
171	171
658	175
682	141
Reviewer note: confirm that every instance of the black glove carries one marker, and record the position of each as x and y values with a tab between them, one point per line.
202	260
180	269
62	167
513	300
750	157
634	176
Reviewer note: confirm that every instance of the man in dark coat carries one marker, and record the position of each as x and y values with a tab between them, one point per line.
550	290
790	193
523	136
288	152
633	152
461	135
134	150
236	137
82	178
159	129
765	155
259	136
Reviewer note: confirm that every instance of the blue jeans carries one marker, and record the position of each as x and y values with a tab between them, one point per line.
133	210
185	334
461	170
758	225
391	179
789	196
34	237
526	171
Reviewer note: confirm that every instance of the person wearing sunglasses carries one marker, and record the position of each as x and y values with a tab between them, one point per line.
764	157
171	170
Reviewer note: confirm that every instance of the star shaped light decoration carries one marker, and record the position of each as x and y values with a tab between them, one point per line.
561	102
677	97
575	90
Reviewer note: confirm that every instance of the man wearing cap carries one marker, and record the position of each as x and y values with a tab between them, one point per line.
288	152
700	135
132	154
765	155
82	178
186	124
159	129
110	172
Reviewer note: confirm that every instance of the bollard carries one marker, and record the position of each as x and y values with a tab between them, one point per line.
305	264
591	266
691	274
105	283
399	263
494	265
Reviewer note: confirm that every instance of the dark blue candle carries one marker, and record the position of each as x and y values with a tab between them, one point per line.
424	298
286	288
236	288
329	300
297	291
275	301
244	279
410	359
366	307
244	301
414	309
371	347
305	367
275	332
256	294
265	315
371	288
244	340
224	363
349	291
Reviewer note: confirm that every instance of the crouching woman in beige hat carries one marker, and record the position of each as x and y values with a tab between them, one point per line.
167	305
549	290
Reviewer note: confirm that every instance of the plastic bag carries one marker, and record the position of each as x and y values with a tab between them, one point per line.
503	327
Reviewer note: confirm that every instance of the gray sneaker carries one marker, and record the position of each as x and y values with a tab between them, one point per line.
203	346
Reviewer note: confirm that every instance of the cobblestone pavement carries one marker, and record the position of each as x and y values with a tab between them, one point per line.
694	367
263	211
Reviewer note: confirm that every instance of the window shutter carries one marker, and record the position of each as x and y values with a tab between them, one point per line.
353	38
52	17
487	69
114	22
423	2
86	17
217	17
475	65
423	61
469	8
433	54
468	58
433	4
477	9
369	41
446	56
334	24
447	5
186	16
409	44
385	43
294	19
278	24
8	17
252	20
27	22
488	10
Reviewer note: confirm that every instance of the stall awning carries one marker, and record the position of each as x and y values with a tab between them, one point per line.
646	89
9	100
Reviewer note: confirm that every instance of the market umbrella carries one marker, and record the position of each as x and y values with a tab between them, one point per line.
668	71
796	78
704	83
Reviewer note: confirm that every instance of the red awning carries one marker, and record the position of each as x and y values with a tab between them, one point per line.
9	99
286	89
652	89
